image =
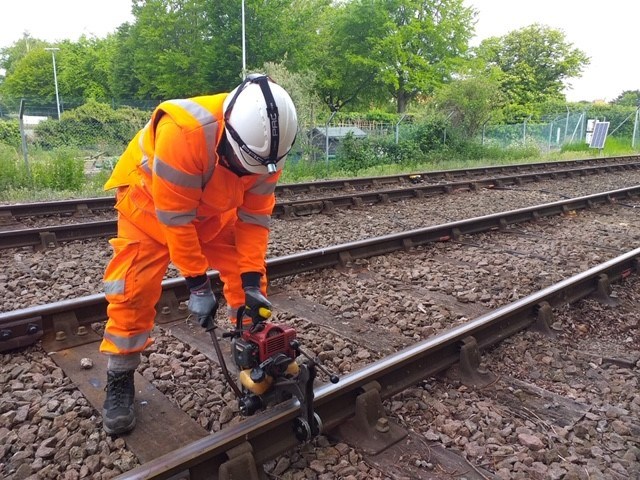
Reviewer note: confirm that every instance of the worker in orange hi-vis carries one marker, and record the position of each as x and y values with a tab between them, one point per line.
195	187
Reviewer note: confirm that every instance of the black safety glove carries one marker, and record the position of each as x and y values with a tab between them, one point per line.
202	302
257	307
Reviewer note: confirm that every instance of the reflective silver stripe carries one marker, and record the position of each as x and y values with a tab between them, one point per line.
170	174
262	186
209	125
174	219
135	342
113	287
262	220
142	134
197	111
144	161
210	133
145	164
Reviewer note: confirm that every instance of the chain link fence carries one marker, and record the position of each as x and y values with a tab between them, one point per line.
93	129
554	132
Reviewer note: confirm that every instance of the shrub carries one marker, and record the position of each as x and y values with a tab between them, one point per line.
355	154
92	125
10	133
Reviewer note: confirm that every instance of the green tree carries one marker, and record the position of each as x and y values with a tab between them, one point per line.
471	102
628	98
393	48
179	48
84	68
164	52
31	78
277	31
10	56
537	62
345	74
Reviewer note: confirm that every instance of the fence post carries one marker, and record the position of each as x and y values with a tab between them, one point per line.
23	136
573	135
635	129
326	135
524	131
398	127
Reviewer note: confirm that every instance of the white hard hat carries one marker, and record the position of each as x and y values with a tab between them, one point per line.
260	123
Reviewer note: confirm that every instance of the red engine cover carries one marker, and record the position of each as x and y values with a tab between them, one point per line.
272	339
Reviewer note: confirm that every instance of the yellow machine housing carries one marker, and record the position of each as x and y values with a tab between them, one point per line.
260	388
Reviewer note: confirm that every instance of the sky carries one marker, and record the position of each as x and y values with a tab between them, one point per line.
603	30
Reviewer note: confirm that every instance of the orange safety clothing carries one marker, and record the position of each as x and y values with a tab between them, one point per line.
177	203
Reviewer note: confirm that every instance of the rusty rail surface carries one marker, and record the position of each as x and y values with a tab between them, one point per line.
249	444
64	323
51	236
84	206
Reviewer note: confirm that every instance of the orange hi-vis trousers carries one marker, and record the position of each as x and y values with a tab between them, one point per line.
133	278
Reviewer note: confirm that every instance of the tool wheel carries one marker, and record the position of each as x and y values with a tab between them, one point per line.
317	421
302	429
305	432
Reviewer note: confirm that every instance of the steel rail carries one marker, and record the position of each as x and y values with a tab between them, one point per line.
84	206
25	326
270	433
45	237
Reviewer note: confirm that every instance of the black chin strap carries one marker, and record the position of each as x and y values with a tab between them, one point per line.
274	121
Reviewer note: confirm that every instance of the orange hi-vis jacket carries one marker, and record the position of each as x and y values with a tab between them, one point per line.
182	197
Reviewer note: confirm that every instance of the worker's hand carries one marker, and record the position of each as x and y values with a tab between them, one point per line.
203	304
256	305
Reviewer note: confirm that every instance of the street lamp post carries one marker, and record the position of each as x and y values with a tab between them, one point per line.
55	76
244	48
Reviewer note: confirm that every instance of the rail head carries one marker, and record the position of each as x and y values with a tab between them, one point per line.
270	433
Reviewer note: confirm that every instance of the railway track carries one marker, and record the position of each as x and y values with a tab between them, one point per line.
52	235
25	326
324	311
345	406
9	214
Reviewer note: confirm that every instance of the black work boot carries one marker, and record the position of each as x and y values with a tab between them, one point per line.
117	411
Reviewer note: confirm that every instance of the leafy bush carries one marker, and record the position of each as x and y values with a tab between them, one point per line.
428	134
92	125
10	133
354	154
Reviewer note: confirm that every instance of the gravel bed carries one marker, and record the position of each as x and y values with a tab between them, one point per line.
48	430
517	443
33	278
470	275
60	219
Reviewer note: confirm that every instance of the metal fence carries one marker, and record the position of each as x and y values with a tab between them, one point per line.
556	131
321	141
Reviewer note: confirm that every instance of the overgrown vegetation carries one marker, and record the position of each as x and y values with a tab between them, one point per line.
92	125
10	133
58	151
61	169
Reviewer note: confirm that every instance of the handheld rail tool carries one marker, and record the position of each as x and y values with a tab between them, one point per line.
267	355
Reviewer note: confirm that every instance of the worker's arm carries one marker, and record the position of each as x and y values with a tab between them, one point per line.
252	227
178	171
